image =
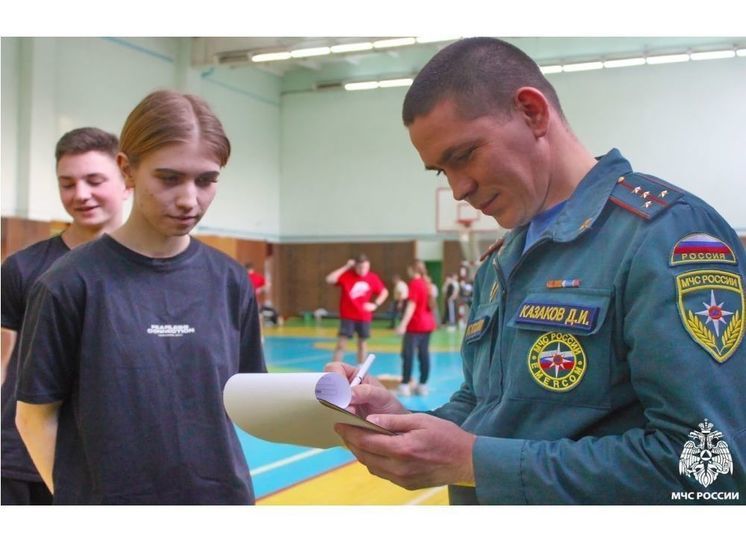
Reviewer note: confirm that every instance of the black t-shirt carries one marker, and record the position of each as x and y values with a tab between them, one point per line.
138	351
19	272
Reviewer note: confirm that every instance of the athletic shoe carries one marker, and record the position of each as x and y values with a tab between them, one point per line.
404	390
421	390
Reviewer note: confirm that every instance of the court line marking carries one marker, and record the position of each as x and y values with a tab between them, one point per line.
424	496
285	461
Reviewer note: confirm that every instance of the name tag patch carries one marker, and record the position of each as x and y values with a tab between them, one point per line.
475	329
580	317
701	247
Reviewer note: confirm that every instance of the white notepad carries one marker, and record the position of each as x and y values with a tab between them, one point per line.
292	408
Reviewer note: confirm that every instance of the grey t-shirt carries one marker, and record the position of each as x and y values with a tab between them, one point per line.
138	350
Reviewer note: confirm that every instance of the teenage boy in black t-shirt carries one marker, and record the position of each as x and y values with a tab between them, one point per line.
92	191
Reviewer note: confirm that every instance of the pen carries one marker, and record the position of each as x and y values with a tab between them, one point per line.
362	370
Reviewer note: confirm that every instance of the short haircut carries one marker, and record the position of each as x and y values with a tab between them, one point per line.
480	74
167	117
83	140
361	258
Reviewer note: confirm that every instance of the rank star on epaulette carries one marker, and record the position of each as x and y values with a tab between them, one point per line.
711	308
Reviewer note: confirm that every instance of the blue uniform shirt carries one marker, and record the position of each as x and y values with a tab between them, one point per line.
604	364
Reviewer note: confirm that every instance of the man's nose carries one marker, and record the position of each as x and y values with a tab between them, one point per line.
462	185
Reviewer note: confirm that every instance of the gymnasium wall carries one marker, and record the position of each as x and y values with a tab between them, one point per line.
684	122
50	86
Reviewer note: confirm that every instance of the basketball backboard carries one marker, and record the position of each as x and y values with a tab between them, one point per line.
452	216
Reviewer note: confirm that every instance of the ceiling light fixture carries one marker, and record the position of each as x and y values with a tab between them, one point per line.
304	53
388	43
423	40
556	69
713	55
667	58
741	52
624	62
270	56
360	85
352	47
401	82
582	66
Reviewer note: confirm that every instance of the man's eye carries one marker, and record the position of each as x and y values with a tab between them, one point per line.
169	179
465	155
204	182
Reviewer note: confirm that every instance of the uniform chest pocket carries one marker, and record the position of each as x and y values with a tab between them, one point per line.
559	346
477	346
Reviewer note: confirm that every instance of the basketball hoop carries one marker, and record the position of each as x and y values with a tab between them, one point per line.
468	240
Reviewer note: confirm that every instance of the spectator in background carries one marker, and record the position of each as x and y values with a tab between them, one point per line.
401	292
450	301
92	191
417	324
261	288
358	285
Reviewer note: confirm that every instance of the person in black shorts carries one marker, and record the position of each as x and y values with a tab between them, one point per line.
92	191
130	339
361	293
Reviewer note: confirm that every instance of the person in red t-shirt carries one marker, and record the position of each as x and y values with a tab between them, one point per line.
358	286
261	286
417	324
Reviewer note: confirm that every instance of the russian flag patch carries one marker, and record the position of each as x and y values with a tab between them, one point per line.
701	247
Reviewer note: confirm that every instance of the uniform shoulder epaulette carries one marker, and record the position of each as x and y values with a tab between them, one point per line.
643	195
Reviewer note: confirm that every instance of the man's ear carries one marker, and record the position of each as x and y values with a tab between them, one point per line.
533	108
125	168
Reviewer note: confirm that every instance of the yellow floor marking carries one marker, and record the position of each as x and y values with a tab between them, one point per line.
353	485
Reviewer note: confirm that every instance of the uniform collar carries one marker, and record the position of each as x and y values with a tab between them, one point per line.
580	211
587	201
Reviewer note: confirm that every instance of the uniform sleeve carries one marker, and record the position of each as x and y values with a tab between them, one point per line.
462	401
48	345
12	295
251	355
677	382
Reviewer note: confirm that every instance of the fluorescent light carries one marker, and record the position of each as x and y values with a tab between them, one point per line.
402	82
386	43
316	51
713	54
266	57
582	66
741	52
667	58
435	39
624	62
551	69
357	86
352	47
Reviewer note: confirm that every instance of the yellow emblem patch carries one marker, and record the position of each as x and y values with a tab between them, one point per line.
711	307
557	361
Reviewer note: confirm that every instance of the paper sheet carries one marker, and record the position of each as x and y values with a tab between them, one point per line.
286	407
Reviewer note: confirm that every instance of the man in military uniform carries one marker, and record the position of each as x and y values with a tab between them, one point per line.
606	328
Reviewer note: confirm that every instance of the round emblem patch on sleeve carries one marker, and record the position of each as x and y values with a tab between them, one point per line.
557	361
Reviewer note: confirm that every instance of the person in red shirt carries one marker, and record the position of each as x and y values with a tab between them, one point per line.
261	286
358	286
417	324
